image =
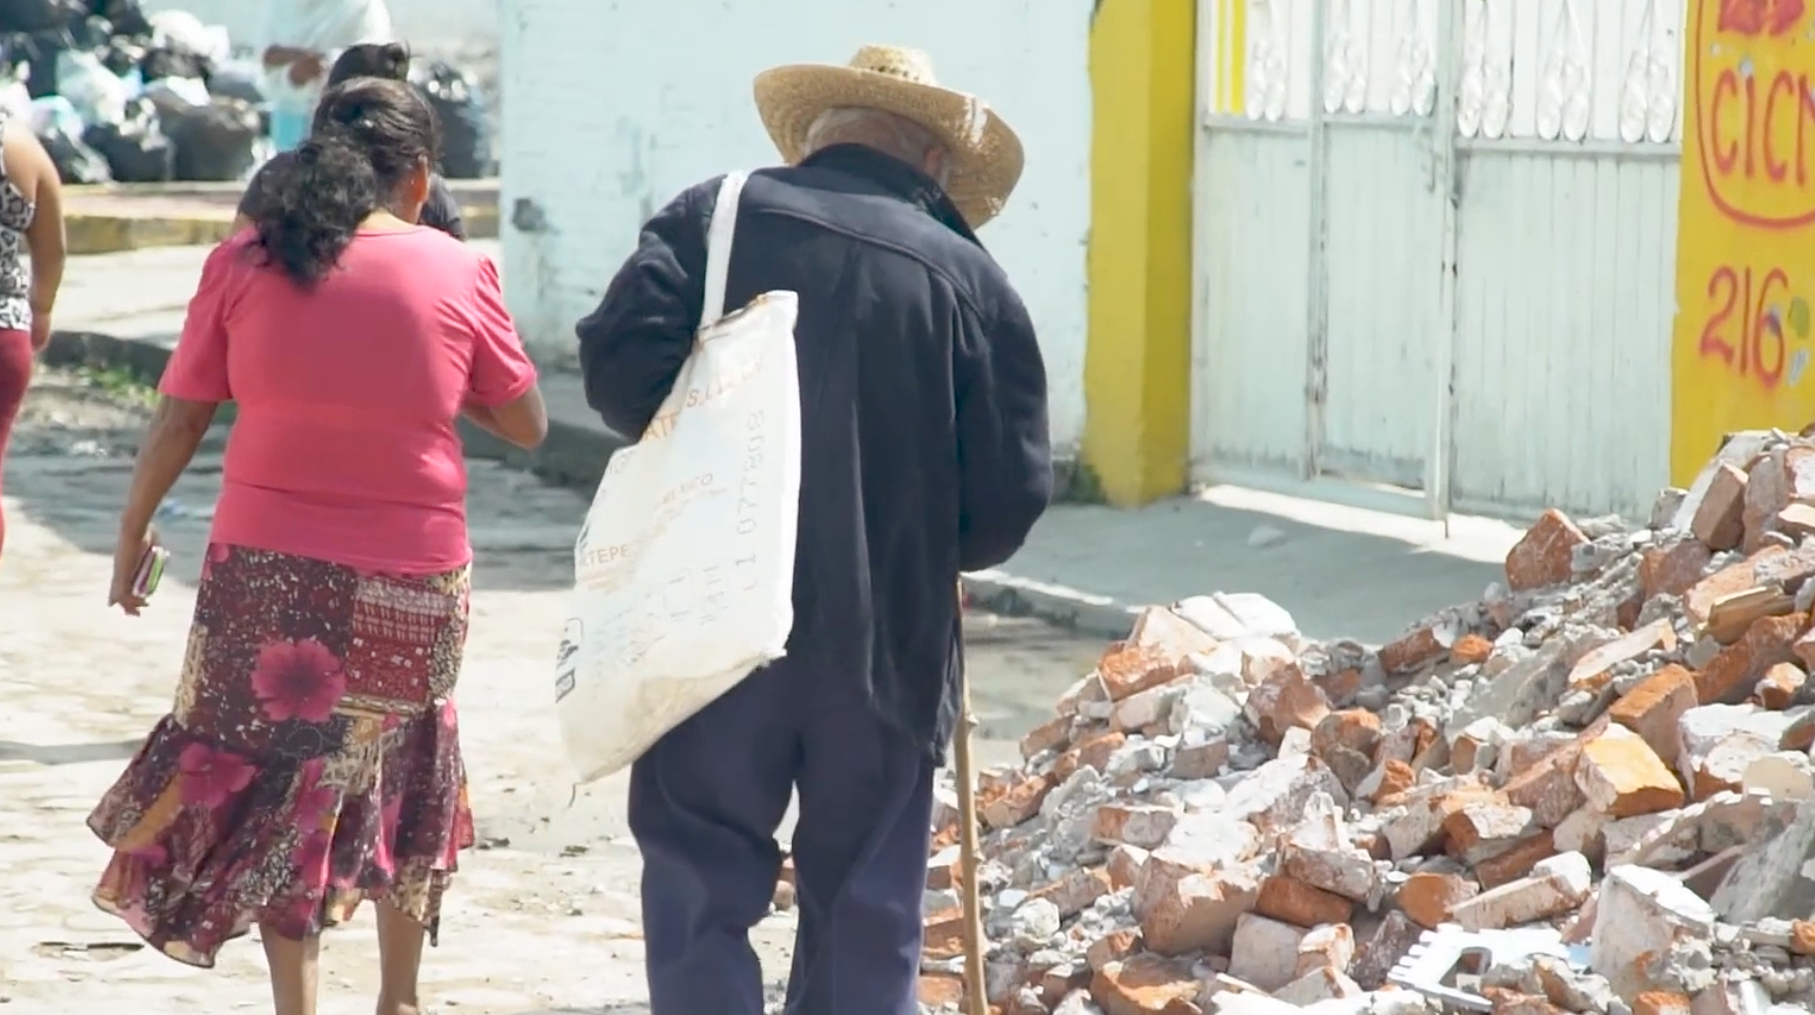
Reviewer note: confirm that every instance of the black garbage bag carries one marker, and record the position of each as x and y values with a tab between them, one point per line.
121	55
162	62
39	50
237	81
128	17
215	142
75	161
466	144
39	15
136	149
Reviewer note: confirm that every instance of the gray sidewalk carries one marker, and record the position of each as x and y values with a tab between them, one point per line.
1341	571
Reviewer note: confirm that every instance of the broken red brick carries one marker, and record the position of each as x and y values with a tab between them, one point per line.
1767	492
1356	729
1484	829
1288	700
1778	688
1429	898
1512	1003
1797	520
1340	687
1517	861
1592	671
1622	777
1113	947
1411	651
1292	901
1660	1002
1805	649
1548	787
1772	565
1124	866
1730	676
1128	670
941	990
1654	706
1200	761
1020	801
1092	751
1470	649
1188	909
1802	937
1396	777
1056	733
1672	570
1076	890
1146	985
1545	555
1720	520
1143	825
944	935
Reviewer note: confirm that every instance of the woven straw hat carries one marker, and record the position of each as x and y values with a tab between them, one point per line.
985	155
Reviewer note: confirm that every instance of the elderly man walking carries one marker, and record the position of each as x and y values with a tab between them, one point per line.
924	453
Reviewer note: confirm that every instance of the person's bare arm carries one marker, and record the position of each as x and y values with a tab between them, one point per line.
49	244
30	168
523	421
502	395
176	430
283	56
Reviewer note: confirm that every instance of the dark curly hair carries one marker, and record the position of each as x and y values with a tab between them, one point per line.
369	135
390	60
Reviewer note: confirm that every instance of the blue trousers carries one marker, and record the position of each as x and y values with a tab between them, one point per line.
705	804
289	128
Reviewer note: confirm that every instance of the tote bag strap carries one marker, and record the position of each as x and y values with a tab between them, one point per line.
718	247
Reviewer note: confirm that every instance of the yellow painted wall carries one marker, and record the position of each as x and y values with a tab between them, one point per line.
1745	271
1137	366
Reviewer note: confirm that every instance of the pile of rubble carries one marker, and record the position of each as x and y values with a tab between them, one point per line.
1599	776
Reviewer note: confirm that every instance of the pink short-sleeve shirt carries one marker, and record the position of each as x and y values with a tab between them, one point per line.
344	448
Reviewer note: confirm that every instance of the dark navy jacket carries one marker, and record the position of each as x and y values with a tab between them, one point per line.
923	404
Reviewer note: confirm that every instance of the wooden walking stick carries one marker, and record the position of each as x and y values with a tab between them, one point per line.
976	998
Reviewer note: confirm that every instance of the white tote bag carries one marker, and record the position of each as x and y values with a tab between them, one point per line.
684	570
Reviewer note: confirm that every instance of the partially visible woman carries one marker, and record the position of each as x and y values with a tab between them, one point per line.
31	267
312	759
389	60
301	37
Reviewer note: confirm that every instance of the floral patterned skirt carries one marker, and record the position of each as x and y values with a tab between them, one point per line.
312	759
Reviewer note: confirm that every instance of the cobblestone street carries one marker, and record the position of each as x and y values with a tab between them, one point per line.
543	917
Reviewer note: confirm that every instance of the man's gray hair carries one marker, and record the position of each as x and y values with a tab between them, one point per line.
886	132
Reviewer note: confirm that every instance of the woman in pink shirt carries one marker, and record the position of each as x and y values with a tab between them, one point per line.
311	760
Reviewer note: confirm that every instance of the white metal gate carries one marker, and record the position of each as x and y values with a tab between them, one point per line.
1435	247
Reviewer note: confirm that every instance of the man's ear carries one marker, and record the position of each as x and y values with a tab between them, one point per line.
934	165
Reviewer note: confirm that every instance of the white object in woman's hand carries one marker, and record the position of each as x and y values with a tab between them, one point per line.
127	554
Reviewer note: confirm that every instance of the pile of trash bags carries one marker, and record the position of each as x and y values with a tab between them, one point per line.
119	95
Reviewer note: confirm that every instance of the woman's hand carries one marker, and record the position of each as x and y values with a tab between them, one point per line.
127	554
40	331
306	69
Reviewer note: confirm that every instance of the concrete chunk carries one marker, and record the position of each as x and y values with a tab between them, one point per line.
1557	886
1775	878
1644	919
1265	952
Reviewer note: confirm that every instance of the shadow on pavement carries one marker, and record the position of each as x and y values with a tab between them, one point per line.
68	754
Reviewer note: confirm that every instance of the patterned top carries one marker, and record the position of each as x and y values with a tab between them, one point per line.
16	212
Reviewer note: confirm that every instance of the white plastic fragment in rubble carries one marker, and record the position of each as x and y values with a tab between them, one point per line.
1226	615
